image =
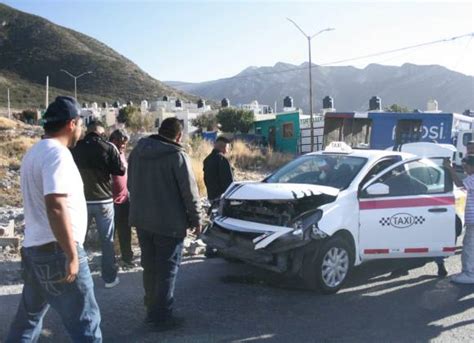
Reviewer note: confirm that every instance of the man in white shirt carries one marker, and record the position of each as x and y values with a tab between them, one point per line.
55	269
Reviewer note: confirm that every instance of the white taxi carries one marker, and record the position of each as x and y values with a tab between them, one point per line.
325	212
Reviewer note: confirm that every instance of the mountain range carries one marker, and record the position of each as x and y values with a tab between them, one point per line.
408	85
32	47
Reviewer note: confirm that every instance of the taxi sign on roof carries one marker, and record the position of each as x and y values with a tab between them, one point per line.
338	148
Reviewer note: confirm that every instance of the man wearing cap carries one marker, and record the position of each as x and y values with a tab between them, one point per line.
55	269
97	160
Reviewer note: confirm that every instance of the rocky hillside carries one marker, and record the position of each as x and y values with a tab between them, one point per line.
409	85
32	47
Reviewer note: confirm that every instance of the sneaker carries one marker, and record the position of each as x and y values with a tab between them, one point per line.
113	283
462	278
171	323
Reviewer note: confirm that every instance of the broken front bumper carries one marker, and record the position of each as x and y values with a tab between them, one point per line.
263	245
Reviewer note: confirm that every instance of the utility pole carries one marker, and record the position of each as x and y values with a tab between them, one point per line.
309	38
46	100
75	79
8	100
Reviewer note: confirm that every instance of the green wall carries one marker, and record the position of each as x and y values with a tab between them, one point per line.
287	131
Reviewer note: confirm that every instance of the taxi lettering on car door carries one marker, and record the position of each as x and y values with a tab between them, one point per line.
408	211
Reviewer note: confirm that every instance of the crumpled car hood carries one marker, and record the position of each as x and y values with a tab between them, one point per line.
276	191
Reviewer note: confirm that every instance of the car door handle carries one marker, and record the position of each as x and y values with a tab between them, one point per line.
438	209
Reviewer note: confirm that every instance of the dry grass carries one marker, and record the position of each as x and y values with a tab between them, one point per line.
13	150
198	149
250	158
8	124
249	163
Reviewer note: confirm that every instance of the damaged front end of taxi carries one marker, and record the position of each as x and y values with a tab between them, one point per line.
269	225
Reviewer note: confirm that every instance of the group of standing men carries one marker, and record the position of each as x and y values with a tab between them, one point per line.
66	182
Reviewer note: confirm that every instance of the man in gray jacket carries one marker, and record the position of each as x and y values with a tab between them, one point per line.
164	203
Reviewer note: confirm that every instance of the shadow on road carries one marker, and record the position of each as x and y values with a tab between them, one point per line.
373	307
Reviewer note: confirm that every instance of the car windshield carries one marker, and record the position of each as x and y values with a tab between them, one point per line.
326	170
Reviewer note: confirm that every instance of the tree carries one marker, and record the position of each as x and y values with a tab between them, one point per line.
397	108
125	113
26	116
232	119
206	121
134	119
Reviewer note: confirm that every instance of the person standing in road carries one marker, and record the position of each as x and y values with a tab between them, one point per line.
217	170
55	269
467	258
119	138
97	160
217	177
164	202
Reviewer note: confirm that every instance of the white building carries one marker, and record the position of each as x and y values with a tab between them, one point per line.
256	108
108	115
174	107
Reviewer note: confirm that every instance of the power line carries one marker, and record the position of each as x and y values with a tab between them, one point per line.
444	40
401	49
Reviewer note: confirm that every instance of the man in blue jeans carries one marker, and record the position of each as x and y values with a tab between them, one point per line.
55	269
164	202
97	160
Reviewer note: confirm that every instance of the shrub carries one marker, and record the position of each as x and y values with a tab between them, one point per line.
134	119
235	120
206	121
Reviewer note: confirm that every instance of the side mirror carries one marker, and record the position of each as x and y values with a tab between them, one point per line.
378	189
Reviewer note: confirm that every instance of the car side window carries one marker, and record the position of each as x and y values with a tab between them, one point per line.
378	167
415	178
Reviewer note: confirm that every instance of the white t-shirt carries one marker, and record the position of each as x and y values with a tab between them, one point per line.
48	168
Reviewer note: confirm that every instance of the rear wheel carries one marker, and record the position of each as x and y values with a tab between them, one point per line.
327	268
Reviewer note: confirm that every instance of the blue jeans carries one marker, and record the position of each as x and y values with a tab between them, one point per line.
75	302
161	257
104	219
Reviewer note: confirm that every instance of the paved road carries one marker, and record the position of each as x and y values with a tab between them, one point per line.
225	302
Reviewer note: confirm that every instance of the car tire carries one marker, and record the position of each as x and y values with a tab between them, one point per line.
327	269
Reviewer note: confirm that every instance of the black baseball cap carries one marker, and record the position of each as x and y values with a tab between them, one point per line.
61	109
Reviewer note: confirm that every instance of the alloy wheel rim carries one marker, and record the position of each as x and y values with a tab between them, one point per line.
335	266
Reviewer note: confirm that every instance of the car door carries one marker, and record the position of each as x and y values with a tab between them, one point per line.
408	210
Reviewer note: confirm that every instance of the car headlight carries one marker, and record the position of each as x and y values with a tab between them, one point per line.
305	221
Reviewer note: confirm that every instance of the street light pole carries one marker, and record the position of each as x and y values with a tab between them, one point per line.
309	38
75	79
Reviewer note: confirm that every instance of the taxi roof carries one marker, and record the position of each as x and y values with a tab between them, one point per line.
367	153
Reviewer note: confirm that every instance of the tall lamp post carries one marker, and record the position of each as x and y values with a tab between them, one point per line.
308	37
75	79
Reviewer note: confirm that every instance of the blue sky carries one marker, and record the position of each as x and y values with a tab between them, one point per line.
205	40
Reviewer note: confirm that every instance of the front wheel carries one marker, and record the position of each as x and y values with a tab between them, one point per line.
327	269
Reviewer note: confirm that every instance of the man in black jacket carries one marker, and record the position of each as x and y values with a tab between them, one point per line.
164	203
97	160
217	170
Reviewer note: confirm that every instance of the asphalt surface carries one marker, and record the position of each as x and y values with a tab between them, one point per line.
229	302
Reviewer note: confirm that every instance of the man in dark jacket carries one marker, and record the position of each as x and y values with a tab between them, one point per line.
97	160
164	203
217	171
